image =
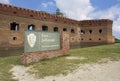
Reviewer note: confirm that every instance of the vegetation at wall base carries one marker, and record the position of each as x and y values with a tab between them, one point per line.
6	64
62	65
117	40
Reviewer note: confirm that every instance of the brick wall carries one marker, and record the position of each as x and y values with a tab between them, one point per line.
96	31
7	35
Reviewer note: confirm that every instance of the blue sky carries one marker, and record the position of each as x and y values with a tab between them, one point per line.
104	4
77	9
44	5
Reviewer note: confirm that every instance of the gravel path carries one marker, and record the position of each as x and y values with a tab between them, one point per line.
89	72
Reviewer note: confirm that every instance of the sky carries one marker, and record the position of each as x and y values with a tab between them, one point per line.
76	9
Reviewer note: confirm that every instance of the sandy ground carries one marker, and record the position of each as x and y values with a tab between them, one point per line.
88	72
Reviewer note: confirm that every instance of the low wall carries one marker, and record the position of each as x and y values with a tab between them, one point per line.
27	58
4	47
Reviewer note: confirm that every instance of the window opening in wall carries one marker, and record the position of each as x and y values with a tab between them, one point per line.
31	27
55	29
82	32
81	38
100	30
14	38
14	26
44	28
64	29
31	15
72	31
56	20
90	39
45	18
99	38
90	31
15	12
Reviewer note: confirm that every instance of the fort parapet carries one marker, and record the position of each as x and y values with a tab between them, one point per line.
100	22
40	15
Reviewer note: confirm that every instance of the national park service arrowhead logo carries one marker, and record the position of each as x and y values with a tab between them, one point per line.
31	38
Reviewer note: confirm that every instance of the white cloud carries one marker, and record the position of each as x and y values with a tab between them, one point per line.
77	9
116	27
5	1
112	13
44	4
83	9
47	4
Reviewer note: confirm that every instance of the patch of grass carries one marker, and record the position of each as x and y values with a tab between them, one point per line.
117	40
53	66
5	66
8	58
61	65
97	53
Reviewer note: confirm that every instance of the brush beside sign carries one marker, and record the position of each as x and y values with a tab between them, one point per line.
41	41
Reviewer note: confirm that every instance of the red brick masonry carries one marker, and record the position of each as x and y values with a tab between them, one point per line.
27	58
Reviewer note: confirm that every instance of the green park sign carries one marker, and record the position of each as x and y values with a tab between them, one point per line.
41	41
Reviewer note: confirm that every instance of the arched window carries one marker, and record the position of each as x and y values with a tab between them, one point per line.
99	38
90	31
72	31
100	30
55	29
90	39
31	27
14	26
82	32
81	38
44	28
14	38
64	29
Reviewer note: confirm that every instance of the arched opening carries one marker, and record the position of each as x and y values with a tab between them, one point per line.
81	38
64	29
82	32
14	38
99	38
31	15
72	31
44	28
90	31
31	27
15	12
55	29
90	39
100	30
14	26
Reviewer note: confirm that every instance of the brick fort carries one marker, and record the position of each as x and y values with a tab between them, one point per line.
14	20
